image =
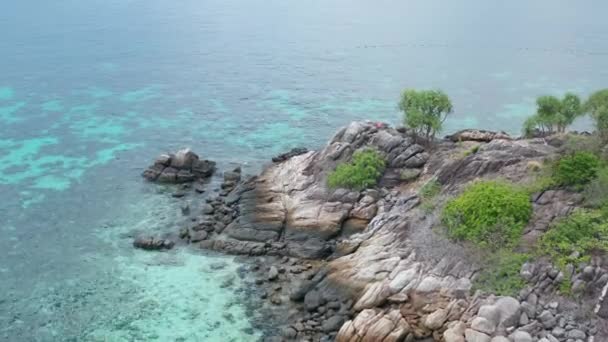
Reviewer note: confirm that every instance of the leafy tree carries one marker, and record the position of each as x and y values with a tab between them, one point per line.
553	114
425	111
597	106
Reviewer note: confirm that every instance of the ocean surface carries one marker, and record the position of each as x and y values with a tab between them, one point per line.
92	90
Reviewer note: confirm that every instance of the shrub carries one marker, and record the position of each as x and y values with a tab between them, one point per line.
596	192
582	143
574	238
501	275
427	194
362	172
425	111
576	169
488	213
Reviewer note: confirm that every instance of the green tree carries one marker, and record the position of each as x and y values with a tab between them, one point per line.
553	114
425	111
597	106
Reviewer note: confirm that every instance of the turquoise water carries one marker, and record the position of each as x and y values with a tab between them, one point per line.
91	91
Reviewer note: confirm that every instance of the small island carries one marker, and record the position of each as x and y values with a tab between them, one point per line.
392	234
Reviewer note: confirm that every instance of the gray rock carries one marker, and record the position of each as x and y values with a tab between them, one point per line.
476	336
313	300
436	319
289	332
500	339
183	159
483	325
197	236
529	309
273	273
558	332
169	175
523	319
503	314
520	336
333	323
547	319
588	273
203	168
185	208
576	334
152	243
207	209
184	176
477	135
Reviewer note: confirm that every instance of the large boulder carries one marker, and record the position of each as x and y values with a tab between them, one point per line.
181	167
477	135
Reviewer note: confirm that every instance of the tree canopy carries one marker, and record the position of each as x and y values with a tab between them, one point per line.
425	111
553	115
597	106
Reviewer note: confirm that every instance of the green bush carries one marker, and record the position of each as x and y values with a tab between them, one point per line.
576	169
501	275
574	238
488	213
596	192
362	172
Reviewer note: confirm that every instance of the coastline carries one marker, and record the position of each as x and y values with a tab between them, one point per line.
339	265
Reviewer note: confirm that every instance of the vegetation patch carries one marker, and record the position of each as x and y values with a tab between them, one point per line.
501	274
597	107
596	192
489	214
572	240
366	167
576	169
473	150
428	193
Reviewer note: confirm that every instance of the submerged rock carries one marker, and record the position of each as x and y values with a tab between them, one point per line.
152	243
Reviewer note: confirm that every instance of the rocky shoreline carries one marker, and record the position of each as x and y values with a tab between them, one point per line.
371	265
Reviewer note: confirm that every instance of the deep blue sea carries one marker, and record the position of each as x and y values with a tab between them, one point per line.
92	90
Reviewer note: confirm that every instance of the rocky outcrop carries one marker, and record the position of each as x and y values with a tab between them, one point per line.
388	273
181	167
477	135
291	202
507	159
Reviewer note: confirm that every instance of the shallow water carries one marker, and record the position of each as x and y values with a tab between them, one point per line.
91	91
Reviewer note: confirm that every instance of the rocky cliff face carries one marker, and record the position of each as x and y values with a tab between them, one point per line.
388	273
290	201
